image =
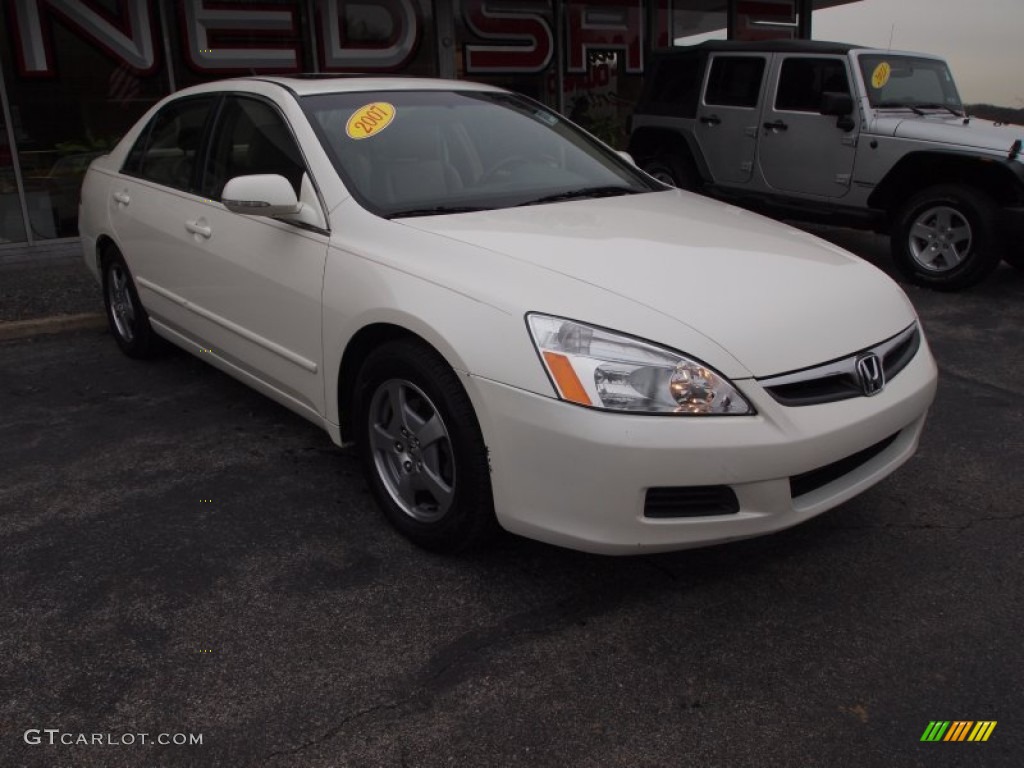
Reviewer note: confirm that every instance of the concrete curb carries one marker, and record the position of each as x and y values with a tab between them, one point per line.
20	329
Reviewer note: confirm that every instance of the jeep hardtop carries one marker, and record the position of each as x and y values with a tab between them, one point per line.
840	134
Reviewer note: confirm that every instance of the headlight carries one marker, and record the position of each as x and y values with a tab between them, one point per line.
602	369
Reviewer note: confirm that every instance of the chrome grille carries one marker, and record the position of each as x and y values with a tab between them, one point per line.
839	380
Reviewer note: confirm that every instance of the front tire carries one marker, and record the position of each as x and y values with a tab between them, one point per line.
126	317
672	170
421	448
1015	259
945	237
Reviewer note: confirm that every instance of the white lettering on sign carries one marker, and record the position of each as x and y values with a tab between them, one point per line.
392	52
129	39
200	21
525	37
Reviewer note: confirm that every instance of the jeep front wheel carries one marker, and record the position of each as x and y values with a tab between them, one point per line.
671	170
945	237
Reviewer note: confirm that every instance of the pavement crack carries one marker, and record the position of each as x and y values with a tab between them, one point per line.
340	726
437	674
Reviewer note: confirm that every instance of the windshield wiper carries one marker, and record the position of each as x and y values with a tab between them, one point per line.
940	106
437	210
583	193
900	105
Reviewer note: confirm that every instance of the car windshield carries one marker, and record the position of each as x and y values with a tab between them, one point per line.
414	153
909	82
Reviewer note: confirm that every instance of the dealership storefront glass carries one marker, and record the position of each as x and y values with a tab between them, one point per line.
75	74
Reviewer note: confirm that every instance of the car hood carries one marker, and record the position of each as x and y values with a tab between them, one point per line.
777	299
982	134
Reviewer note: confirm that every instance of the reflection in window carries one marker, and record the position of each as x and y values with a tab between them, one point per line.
803	81
173	143
735	81
251	138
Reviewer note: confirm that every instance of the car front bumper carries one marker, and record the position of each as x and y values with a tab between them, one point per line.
578	478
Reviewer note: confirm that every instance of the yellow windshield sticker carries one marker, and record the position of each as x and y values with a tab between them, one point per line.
369	120
881	75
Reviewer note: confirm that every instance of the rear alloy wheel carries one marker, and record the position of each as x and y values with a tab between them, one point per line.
945	238
421	448
126	317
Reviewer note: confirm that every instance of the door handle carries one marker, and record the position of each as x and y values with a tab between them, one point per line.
198	228
711	120
122	197
778	125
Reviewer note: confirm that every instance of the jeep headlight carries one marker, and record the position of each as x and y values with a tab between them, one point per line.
602	369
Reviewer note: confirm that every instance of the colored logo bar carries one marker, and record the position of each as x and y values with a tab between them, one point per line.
958	730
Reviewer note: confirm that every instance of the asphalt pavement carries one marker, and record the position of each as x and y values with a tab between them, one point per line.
181	557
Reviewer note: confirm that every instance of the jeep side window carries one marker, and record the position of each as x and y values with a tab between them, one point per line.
803	81
675	86
734	81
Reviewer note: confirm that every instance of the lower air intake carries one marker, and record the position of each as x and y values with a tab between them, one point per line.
690	501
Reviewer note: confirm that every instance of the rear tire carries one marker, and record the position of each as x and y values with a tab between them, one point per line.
421	448
945	237
126	317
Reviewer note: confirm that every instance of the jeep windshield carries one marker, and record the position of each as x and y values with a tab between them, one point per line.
433	152
909	82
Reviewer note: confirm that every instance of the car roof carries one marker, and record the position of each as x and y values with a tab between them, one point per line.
312	84
759	46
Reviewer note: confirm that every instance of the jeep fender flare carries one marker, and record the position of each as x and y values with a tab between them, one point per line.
1001	179
649	143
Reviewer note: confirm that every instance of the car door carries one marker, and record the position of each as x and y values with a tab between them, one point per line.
802	151
152	201
727	127
256	282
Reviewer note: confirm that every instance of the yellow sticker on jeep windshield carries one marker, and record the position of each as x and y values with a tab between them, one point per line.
369	120
881	75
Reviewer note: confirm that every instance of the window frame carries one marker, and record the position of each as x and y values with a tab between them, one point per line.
724	56
213	133
133	164
841	60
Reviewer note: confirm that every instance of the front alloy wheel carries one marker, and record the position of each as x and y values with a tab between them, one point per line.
412	450
945	237
421	448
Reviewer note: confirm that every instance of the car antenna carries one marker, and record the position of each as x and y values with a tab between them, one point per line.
892	32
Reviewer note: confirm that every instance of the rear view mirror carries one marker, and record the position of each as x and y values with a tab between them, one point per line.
264	194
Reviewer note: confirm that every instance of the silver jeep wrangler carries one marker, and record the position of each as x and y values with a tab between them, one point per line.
844	135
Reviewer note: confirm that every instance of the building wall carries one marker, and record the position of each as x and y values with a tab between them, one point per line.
75	74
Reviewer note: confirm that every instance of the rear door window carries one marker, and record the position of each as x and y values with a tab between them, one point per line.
735	81
167	152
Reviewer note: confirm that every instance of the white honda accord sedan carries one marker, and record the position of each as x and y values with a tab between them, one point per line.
515	326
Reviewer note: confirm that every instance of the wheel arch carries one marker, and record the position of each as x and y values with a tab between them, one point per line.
359	346
919	170
650	142
105	245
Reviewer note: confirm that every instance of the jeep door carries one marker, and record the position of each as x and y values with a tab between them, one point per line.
802	151
727	126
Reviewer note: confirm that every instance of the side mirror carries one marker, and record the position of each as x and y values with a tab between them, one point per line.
264	194
836	103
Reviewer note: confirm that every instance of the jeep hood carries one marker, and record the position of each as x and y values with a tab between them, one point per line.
979	134
775	298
